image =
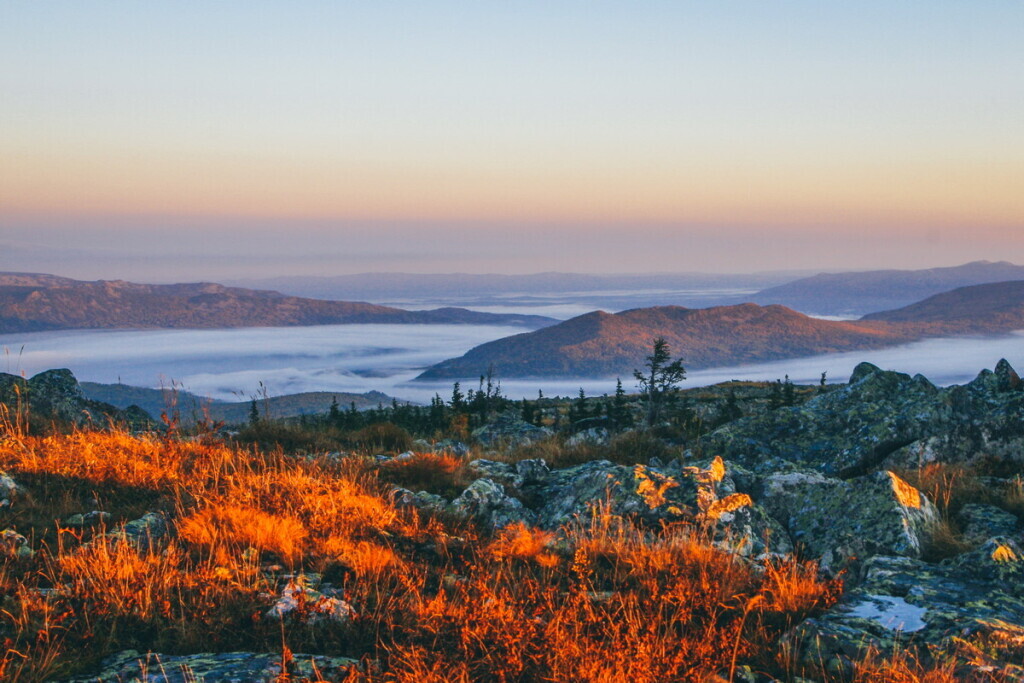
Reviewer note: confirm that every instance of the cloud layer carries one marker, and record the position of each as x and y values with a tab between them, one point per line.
237	364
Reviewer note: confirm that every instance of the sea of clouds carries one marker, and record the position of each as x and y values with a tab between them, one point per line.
237	364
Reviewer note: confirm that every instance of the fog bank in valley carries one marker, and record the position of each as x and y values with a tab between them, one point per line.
232	364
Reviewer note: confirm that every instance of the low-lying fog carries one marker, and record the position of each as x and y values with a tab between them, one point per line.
565	305
231	364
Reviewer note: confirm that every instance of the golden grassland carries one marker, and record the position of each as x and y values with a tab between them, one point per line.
435	599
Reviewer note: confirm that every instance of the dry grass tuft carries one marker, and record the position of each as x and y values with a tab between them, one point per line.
228	529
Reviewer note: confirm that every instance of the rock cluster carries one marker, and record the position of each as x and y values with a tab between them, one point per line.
131	666
883	419
54	395
817	479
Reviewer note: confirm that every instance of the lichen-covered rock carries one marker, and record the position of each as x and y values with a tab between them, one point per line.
883	419
951	607
488	503
14	545
837	521
93	518
301	603
451	446
597	436
639	491
421	500
980	522
9	489
842	432
130	666
144	531
532	472
699	495
54	395
509	431
503	473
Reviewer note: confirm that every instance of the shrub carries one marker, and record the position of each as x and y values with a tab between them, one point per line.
382	436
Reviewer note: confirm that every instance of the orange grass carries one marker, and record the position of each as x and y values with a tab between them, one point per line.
597	601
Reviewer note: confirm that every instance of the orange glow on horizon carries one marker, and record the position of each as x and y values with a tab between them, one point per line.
921	194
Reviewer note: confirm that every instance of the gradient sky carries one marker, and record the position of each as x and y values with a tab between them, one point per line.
195	139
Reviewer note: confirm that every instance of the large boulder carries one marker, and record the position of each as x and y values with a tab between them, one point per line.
883	419
987	424
979	522
487	502
509	431
838	521
841	433
531	493
971	607
55	396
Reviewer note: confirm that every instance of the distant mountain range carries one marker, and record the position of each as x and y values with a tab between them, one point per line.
468	286
995	307
602	344
859	293
32	302
192	408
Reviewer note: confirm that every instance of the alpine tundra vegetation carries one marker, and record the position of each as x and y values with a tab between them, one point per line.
858	532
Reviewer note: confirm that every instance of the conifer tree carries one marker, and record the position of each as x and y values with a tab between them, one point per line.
660	380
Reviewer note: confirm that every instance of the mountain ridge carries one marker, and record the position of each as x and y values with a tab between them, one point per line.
602	344
862	292
32	302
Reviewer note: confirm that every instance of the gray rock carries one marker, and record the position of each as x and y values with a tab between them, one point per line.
509	431
299	602
532	472
421	500
144	531
487	502
14	545
981	522
9	489
927	608
882	419
836	520
596	436
456	448
503	473
130	666
93	518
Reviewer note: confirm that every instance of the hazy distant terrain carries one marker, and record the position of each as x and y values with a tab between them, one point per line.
31	302
603	344
995	307
856	294
557	294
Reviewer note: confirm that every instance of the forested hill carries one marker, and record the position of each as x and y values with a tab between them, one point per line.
602	344
30	302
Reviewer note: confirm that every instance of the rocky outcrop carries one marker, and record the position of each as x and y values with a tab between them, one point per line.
882	419
971	606
55	396
842	521
509	431
487	502
223	667
979	522
529	492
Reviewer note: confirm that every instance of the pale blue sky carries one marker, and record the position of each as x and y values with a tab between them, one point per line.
401	135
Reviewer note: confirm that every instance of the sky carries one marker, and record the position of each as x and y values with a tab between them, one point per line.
185	140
